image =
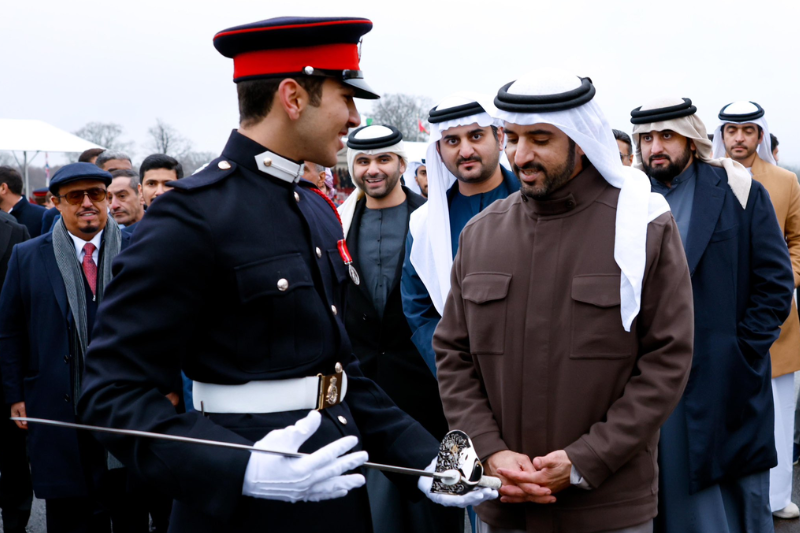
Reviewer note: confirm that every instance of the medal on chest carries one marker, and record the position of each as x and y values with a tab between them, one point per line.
348	260
341	244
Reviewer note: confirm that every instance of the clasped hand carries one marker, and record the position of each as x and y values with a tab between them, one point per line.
530	481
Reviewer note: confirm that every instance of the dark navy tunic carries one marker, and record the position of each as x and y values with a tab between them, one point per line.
417	304
198	291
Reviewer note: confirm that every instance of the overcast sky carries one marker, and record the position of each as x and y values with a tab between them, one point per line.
69	63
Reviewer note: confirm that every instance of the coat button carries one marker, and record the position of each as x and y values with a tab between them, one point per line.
343	420
334	311
283	285
66	358
364	317
224	165
296	197
66	398
267	162
319	252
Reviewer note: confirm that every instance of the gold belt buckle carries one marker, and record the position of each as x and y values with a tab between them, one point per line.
330	388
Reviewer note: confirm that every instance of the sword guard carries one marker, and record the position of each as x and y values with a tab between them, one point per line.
457	453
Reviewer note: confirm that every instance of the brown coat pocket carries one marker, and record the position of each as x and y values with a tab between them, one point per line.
485	295
597	331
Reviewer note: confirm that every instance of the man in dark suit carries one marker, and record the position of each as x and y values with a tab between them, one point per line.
247	298
375	220
47	309
12	201
718	445
16	493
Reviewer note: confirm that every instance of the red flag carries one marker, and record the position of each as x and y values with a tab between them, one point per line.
421	127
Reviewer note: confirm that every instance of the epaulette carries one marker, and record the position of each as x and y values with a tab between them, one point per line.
214	172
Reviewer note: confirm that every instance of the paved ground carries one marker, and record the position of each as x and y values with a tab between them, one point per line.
791	526
37	522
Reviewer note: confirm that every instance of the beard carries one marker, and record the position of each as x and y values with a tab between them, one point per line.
672	170
554	177
749	151
389	183
488	168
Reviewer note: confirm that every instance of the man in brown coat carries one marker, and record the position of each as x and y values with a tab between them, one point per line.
743	135
566	340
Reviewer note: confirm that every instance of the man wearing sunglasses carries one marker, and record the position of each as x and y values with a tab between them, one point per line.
48	306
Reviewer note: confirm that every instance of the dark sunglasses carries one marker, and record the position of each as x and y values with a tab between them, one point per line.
95	194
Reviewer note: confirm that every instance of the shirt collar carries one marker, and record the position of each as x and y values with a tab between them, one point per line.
16	204
80	243
252	155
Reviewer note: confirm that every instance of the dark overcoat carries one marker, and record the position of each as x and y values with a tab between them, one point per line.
29	215
38	363
11	234
743	283
198	291
383	345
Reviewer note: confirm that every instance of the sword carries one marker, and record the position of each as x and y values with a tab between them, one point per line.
447	477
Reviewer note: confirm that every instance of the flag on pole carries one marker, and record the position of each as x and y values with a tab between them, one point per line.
421	127
369	122
46	169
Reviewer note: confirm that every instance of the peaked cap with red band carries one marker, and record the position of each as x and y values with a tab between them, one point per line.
298	46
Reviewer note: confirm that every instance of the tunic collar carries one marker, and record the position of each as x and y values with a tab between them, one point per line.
575	195
252	155
684	177
279	167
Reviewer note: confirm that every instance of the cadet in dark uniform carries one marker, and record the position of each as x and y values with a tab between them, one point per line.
224	277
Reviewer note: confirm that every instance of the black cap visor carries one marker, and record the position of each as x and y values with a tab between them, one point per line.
363	90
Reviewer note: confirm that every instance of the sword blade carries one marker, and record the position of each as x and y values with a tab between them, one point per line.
218	444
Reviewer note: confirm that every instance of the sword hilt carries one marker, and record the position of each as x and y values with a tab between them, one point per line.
490	482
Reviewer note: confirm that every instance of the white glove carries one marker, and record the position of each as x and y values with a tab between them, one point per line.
315	477
475	497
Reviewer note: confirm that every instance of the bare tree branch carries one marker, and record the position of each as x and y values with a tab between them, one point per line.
404	111
191	161
105	134
164	139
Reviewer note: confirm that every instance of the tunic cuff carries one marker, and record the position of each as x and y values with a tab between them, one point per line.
588	463
487	444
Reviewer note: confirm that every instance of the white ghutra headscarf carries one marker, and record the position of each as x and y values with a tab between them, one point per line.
410	176
392	142
566	101
743	112
432	250
679	115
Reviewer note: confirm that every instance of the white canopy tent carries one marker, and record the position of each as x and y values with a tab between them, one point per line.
34	136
